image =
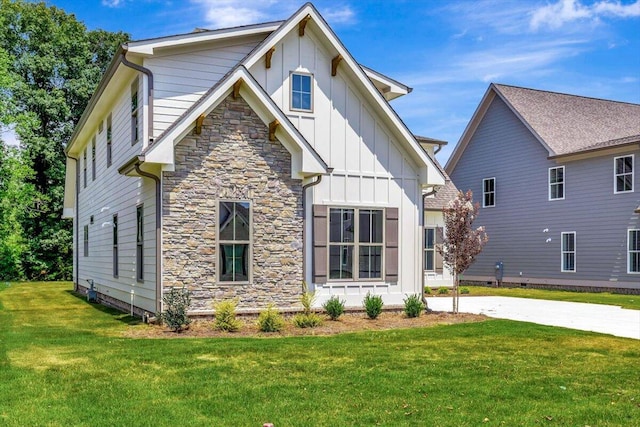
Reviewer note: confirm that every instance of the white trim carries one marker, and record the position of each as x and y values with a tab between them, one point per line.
311	89
615	174
425	249
562	183
484	193
563	252
629	250
220	242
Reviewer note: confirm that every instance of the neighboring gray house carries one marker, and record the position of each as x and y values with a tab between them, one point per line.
557	179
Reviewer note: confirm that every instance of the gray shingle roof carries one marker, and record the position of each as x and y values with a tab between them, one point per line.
443	195
569	123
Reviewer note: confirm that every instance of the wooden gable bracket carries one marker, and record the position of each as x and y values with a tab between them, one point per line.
303	24
334	65
267	59
199	121
236	89
272	129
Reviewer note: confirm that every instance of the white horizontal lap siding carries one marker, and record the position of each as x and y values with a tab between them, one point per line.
112	193
180	78
435	219
370	168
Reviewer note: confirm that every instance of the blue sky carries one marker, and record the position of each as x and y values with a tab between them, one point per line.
448	51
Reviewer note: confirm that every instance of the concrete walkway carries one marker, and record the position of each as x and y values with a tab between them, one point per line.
605	319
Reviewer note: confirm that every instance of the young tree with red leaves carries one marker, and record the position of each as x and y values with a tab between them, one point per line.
461	243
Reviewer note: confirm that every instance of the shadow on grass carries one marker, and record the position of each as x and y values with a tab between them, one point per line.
113	312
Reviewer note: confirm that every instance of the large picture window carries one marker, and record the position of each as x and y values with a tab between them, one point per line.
301	92
633	254
234	241
351	257
568	252
556	183
623	174
488	192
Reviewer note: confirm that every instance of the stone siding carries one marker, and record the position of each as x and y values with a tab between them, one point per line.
232	159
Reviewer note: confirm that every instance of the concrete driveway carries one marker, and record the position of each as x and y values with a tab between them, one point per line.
605	319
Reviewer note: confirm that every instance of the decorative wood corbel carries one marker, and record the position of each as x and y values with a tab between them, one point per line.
334	64
236	89
199	121
303	24
272	129
267	59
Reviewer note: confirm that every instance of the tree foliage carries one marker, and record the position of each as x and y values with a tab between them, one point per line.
461	243
55	64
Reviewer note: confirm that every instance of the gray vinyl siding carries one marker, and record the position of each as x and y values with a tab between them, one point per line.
502	147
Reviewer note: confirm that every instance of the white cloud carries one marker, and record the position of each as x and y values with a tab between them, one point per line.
342	15
113	3
555	15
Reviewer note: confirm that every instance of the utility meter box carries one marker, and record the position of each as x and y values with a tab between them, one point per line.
499	270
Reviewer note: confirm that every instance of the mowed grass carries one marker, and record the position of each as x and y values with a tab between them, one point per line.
624	301
65	362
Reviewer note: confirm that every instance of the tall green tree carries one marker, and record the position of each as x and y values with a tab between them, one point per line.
57	64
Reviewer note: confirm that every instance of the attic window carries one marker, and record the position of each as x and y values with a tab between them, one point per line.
301	92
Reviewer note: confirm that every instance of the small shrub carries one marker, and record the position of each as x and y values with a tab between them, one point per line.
303	320
270	320
334	307
226	316
176	304
427	290
443	291
372	305
413	306
464	290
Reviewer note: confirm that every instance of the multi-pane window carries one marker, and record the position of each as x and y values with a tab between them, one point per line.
568	251
488	192
84	167
633	253
556	183
351	258
430	249
140	243
135	131
234	241
109	139
93	159
86	240
115	245
301	92
623	174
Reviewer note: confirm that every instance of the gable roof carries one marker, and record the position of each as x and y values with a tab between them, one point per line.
564	124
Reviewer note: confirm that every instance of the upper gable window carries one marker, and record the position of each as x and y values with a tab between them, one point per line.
488	192
135	130
623	174
301	91
556	183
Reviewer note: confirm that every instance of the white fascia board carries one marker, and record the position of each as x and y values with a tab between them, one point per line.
69	204
392	88
420	157
147	47
305	161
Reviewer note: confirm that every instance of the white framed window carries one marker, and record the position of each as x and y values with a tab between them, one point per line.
568	252
234	241
135	128
430	249
140	243
488	192
356	243
623	174
556	183
633	252
301	91
86	241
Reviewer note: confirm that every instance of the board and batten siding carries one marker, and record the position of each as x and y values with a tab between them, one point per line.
181	78
525	227
112	193
370	169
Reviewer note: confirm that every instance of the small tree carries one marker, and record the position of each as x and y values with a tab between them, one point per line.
461	243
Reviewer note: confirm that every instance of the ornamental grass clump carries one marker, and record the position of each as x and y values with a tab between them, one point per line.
334	307
413	306
226	316
270	320
372	305
307	319
176	304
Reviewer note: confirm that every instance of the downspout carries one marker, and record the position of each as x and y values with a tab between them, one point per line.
304	221
437	150
77	218
158	232
149	74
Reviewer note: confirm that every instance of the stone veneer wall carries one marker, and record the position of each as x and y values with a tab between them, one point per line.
232	159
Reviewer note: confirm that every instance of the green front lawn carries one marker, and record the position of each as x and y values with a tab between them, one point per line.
624	301
64	362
